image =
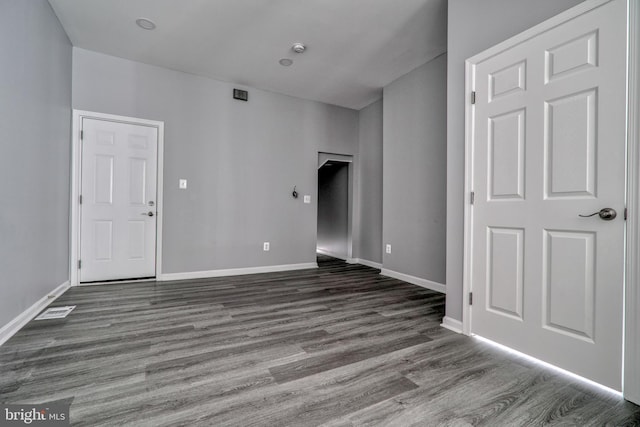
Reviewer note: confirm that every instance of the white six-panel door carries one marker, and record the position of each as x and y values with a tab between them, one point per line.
118	210
549	145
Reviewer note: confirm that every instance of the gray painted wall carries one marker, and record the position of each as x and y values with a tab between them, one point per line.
474	26
333	208
35	132
241	160
414	163
369	245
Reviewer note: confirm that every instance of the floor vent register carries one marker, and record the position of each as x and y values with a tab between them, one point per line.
55	313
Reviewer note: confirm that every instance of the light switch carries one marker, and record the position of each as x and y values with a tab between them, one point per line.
183	184
307	199
388	249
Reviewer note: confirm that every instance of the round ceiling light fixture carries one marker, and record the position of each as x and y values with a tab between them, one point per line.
285	62
145	24
298	47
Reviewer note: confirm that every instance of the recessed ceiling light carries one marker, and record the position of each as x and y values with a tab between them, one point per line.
298	47
285	62
145	24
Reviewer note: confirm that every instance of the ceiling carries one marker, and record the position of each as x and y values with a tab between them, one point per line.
354	47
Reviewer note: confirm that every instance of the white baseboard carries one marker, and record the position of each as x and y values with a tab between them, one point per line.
332	255
434	286
11	328
452	324
235	271
365	262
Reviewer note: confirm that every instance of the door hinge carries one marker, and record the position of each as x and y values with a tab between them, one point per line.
470	298
81	135
472	197
473	97
80	199
79	264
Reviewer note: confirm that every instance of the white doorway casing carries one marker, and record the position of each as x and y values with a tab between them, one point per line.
631	379
476	158
347	161
131	268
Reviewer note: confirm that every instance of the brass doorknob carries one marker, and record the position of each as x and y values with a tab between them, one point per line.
606	214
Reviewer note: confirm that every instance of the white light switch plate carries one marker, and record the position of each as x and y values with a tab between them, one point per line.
265	246
307	199
182	184
388	249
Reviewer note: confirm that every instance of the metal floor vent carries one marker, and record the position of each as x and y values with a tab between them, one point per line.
56	313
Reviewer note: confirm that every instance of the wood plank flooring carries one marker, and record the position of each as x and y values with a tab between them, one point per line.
336	346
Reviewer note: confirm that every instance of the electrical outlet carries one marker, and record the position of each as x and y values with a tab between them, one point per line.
182	184
265	246
388	248
307	199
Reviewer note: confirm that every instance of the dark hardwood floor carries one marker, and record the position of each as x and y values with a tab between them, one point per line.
336	346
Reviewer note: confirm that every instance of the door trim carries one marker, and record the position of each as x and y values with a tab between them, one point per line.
631	350
631	370
348	160
76	173
469	115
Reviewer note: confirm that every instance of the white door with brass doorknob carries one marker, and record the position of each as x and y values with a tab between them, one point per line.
547	172
118	200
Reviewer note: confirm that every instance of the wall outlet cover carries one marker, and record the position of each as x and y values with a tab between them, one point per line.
182	184
307	199
265	246
388	248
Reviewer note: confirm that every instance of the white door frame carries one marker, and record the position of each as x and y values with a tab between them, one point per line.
76	174
324	157
631	372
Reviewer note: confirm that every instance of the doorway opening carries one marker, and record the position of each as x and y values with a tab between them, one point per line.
335	196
